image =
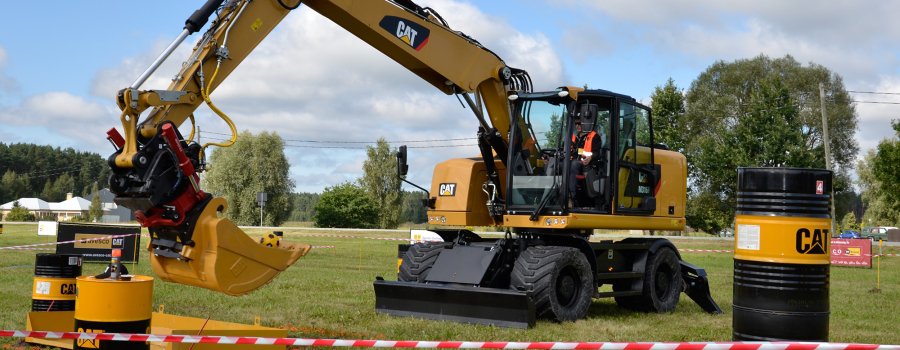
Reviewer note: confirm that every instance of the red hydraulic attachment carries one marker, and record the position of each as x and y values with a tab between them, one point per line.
173	213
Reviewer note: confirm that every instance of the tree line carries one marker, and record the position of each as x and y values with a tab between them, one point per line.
49	173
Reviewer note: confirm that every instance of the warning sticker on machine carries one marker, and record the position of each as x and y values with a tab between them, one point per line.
41	287
747	237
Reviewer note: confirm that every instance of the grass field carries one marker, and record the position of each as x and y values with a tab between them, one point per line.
328	294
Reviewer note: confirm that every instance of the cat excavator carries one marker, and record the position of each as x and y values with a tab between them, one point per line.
546	264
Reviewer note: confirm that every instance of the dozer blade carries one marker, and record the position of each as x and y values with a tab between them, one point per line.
491	306
696	286
224	258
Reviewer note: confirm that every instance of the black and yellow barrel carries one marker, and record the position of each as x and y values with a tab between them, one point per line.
781	255
54	281
113	306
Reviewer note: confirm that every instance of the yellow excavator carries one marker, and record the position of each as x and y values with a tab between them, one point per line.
523	181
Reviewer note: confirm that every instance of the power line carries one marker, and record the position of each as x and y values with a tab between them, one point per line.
360	148
876	102
359	142
874	92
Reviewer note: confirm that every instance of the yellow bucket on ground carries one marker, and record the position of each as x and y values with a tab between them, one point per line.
113	306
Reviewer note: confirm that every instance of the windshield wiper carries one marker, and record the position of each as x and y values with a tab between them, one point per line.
544	200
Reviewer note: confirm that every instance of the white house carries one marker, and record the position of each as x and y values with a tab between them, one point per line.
71	207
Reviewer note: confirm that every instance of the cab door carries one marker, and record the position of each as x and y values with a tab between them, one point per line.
638	176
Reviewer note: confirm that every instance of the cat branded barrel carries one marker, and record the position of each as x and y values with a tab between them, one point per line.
106	305
781	257
54	281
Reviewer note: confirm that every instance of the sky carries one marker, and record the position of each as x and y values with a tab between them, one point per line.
62	63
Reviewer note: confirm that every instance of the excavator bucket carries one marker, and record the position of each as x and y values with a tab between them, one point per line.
223	258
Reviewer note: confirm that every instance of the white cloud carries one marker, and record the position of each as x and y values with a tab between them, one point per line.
875	119
7	83
68	119
852	40
312	80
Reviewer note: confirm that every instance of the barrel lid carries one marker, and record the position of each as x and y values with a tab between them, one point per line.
785	180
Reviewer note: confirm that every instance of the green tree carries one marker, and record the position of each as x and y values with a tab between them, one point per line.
760	112
346	206
879	182
14	186
381	183
304	206
668	114
849	222
413	209
552	136
95	212
42	164
19	213
255	163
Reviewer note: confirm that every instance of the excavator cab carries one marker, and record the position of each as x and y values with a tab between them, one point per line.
619	158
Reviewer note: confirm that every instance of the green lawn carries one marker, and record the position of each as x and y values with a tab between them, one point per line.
328	294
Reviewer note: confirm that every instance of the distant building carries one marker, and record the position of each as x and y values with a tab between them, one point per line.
112	212
71	207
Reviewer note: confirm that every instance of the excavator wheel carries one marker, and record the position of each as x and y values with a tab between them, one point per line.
559	279
662	284
418	260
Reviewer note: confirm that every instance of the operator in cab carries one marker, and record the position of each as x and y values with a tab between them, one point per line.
585	145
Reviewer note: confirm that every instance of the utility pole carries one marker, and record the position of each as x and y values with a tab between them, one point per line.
825	139
827	143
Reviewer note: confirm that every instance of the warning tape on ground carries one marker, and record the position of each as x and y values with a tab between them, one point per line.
29	246
446	344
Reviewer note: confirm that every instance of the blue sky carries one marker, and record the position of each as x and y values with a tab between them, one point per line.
61	63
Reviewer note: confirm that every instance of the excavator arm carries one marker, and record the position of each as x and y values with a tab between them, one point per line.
156	170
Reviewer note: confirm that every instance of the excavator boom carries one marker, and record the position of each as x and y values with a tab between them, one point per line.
156	170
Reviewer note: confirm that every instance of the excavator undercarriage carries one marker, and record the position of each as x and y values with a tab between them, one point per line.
512	281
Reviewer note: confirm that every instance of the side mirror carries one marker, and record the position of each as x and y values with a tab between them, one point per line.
402	167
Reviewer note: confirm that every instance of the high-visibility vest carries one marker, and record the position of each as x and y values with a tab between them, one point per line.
585	143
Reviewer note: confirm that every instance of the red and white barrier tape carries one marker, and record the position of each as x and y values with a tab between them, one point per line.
27	247
446	344
67	242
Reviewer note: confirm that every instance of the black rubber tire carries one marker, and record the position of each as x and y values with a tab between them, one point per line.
662	284
418	260
560	281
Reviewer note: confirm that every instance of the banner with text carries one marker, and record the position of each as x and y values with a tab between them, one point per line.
855	252
94	243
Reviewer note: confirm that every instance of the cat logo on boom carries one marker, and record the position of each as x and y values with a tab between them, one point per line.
811	242
411	33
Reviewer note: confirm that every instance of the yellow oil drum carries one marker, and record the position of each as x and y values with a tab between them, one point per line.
113	306
54	281
781	254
